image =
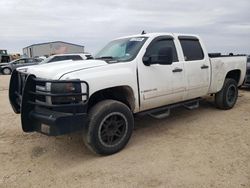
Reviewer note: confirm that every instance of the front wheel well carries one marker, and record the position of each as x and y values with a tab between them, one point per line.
234	74
123	94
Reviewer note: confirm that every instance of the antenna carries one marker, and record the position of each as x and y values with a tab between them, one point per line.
143	32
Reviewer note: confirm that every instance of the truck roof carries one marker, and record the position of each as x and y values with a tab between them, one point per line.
159	34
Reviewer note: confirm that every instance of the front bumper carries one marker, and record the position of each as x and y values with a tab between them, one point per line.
53	123
48	119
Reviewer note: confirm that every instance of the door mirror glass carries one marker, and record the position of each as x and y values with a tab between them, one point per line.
146	60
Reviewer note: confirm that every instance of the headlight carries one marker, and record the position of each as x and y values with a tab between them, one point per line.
66	92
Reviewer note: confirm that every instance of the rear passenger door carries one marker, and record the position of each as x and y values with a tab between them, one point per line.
197	67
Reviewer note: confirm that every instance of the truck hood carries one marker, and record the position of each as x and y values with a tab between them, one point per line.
57	69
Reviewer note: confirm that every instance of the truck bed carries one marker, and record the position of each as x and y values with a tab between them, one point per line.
221	66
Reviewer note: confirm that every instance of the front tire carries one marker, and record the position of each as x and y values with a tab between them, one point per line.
227	97
110	127
6	71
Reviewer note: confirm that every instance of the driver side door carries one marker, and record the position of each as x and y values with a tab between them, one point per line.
160	85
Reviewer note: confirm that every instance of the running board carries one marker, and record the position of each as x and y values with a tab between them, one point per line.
160	113
192	105
163	112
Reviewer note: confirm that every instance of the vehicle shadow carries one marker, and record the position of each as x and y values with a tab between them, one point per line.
244	88
72	145
72	148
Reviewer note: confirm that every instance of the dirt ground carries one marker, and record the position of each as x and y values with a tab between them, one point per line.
205	147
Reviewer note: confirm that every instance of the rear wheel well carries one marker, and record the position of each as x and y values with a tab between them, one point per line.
234	74
123	94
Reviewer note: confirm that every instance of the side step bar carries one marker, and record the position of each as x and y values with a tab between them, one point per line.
192	105
163	112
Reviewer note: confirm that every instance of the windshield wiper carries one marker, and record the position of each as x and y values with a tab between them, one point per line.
108	59
105	57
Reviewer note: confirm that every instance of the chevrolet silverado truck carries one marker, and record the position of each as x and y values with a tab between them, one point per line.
134	75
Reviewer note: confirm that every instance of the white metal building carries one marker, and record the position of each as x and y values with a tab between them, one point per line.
51	48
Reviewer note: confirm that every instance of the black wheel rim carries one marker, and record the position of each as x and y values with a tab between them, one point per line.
231	94
113	129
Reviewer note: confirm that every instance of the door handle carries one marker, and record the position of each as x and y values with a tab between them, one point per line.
204	67
177	70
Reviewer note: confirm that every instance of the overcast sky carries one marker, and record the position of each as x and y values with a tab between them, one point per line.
224	25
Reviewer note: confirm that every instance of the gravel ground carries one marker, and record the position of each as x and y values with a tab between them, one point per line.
205	147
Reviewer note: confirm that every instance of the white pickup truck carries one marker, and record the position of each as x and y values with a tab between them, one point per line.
141	74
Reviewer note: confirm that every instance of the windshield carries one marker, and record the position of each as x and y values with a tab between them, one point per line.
248	59
121	49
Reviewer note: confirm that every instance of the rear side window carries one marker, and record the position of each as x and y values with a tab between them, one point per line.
74	57
66	57
57	58
29	61
192	49
157	45
20	61
89	56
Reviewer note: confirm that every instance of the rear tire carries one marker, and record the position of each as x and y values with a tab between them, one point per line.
226	98
110	127
6	71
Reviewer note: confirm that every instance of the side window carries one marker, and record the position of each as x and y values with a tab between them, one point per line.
161	43
192	49
29	61
57	58
89	56
75	57
63	58
20	61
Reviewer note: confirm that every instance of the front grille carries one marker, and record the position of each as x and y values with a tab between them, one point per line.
40	87
42	96
28	92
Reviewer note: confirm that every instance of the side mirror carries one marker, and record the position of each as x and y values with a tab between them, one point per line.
164	57
146	60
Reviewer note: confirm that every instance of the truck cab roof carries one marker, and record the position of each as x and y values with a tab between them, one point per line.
153	35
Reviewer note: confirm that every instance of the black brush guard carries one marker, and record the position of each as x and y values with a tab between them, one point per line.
49	119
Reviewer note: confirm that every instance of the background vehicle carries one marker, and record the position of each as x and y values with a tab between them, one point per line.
8	68
4	57
23	62
63	57
247	78
141	74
